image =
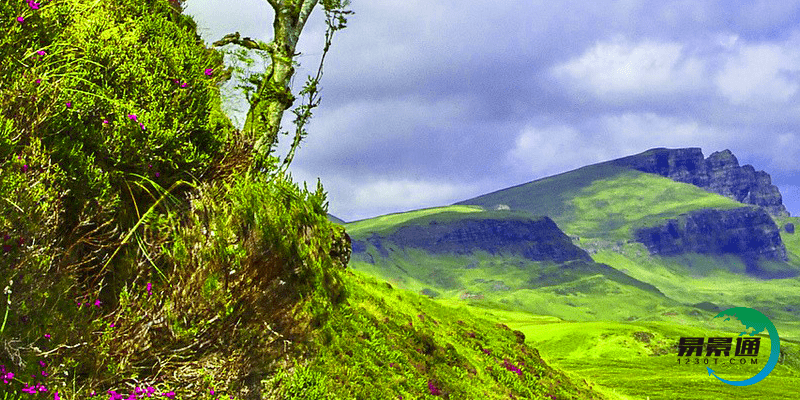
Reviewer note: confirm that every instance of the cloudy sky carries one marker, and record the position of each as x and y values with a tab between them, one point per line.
426	103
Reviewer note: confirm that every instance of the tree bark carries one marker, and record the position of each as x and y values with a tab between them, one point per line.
273	95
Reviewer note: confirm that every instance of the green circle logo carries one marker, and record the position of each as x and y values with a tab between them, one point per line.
751	318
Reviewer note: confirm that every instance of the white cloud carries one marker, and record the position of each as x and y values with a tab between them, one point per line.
758	74
611	69
548	150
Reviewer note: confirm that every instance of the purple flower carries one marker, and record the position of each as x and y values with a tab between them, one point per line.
34	5
41	52
183	84
20	20
97	302
69	105
132	116
38	81
434	390
47	336
25	168
105	121
157	174
209	71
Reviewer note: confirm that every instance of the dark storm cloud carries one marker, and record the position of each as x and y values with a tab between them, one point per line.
427	103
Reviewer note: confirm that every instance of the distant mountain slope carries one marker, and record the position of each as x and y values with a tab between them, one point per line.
507	258
719	173
615	202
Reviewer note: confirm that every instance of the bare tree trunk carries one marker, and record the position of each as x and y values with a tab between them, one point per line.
273	95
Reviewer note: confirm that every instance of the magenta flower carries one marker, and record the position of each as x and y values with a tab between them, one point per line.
25	168
169	394
97	302
41	52
157	174
20	20
132	117
38	81
43	364
212	391
34	5
56	396
183	84
47	336
69	105
209	71
105	121
112	325
434	390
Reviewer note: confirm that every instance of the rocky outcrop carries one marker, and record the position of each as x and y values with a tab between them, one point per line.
535	239
719	173
748	232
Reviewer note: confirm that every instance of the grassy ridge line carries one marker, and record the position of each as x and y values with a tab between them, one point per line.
382	222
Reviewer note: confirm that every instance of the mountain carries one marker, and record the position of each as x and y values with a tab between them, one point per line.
671	237
719	173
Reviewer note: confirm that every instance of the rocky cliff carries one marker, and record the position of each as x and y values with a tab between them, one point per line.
719	173
537	239
748	232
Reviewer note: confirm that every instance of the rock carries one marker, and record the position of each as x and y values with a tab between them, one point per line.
535	239
748	232
789	227
719	173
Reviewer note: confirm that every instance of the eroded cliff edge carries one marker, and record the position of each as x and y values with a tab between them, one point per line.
719	173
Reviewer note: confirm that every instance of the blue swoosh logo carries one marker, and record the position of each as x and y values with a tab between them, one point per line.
774	354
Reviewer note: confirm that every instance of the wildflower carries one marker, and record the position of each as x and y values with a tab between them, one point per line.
25	168
157	174
20	20
209	71
47	336
69	105
41	52
183	85
212	391
38	81
132	117
434	390
34	5
43	364
169	394
97	302
150	285
56	396
112	325
105	121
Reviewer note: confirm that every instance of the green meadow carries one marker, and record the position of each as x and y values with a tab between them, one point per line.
614	323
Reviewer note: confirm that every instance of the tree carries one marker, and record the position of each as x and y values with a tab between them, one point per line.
273	94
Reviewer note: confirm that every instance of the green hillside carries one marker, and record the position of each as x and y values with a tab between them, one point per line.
143	257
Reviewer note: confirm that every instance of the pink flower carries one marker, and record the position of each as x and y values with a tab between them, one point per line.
20	20
157	174
209	71
38	81
132	116
97	302
41	52
56	396
33	5
47	336
183	84
25	168
69	105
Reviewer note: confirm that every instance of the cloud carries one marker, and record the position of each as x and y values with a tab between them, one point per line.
619	68
549	150
555	148
760	73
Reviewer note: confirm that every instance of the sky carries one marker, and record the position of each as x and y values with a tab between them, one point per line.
427	103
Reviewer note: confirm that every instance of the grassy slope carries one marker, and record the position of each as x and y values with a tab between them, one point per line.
600	204
388	343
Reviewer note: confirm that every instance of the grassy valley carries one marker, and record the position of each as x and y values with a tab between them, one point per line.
615	321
